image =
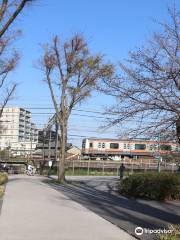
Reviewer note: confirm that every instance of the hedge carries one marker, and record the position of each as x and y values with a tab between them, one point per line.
174	235
154	186
3	178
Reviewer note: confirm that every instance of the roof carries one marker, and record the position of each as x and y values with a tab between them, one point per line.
123	140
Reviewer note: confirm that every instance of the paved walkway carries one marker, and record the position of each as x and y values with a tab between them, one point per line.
98	195
32	210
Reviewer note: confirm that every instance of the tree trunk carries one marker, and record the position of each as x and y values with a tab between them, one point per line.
56	148
62	153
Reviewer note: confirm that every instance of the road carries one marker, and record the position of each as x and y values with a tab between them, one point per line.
97	194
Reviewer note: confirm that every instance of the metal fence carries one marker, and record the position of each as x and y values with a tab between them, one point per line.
105	166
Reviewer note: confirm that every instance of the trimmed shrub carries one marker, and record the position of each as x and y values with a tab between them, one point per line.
3	178
155	186
174	235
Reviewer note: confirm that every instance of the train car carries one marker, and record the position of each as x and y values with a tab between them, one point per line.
117	149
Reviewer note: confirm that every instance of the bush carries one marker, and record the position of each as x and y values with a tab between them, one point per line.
155	186
174	235
3	178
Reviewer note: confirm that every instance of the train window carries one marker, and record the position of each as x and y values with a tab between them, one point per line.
103	145
140	146
151	147
114	145
165	147
90	144
177	149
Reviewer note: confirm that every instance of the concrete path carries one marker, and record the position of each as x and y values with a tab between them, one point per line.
32	210
98	195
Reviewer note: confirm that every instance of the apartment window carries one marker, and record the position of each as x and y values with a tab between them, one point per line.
128	146
90	144
151	147
114	145
140	146
124	145
84	144
103	145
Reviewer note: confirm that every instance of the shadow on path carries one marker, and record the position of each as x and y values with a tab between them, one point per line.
123	212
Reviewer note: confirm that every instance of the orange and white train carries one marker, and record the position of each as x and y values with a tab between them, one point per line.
116	149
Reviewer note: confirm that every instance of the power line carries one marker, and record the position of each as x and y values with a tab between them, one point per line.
91	116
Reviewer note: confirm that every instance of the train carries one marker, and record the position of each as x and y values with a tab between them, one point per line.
118	149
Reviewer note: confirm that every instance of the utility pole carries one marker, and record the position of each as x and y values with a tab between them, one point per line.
49	146
42	162
31	148
56	146
159	156
56	142
49	152
178	129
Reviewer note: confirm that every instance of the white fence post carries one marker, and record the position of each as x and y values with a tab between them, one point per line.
73	167
117	171
103	168
88	166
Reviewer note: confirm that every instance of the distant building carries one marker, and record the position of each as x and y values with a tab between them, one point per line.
47	150
17	132
74	153
46	136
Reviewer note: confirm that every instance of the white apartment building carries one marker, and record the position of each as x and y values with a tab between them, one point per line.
17	131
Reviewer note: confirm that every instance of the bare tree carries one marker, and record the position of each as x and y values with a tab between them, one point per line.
148	87
9	10
71	72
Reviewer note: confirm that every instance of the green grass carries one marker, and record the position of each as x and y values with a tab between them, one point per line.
84	172
92	172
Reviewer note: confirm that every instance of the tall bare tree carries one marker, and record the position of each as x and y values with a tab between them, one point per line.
148	87
9	10
71	72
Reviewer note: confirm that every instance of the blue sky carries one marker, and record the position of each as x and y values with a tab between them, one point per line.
112	27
